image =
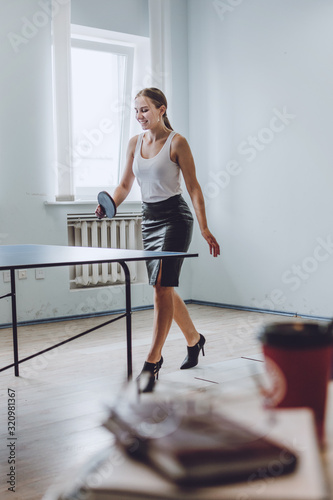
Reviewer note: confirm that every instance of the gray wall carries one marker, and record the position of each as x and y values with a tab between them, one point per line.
125	16
261	107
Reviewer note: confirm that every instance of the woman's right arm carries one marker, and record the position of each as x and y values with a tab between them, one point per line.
122	190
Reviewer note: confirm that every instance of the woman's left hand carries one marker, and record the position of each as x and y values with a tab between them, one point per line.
214	247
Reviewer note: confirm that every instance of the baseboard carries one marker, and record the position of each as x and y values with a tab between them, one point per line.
143	308
257	310
75	317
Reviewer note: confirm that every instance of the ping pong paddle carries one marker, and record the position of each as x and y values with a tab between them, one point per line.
107	204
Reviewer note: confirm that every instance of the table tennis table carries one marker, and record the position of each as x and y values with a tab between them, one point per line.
15	257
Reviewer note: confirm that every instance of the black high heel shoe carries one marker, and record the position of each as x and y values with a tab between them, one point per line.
193	352
152	370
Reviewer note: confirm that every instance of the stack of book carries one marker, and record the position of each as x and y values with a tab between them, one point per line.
191	447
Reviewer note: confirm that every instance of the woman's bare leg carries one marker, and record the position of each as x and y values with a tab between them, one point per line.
163	315
184	321
168	305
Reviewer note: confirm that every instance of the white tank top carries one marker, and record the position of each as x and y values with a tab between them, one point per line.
158	177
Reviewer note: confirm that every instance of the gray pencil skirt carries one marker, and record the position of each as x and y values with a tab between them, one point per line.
166	226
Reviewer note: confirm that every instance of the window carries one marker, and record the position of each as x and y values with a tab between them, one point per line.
96	75
101	80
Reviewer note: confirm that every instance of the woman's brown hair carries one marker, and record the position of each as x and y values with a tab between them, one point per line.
158	99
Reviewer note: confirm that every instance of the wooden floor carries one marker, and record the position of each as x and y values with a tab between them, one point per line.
61	395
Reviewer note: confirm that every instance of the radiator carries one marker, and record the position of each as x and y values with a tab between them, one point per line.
120	232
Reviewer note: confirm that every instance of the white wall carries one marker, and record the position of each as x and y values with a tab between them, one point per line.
229	72
27	175
27	153
249	65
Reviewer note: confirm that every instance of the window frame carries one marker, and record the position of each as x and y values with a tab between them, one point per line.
87	37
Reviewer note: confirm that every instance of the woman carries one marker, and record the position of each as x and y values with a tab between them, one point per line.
156	157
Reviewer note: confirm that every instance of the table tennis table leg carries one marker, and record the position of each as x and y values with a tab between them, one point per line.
14	321
128	318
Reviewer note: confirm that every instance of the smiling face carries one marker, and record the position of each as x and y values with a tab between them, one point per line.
147	114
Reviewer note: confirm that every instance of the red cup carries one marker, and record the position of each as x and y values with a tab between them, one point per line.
298	358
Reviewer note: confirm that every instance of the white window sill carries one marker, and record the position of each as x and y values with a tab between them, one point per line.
86	205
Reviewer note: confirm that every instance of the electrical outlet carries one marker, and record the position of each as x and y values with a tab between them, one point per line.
6	276
39	274
22	274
